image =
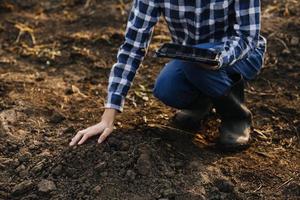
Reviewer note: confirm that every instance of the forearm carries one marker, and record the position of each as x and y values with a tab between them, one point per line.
143	17
246	31
109	115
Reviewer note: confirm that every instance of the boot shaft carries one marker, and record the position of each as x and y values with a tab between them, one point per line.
231	104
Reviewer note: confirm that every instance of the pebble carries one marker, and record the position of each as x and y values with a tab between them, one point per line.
104	174
179	164
10	162
168	192
144	149
69	91
169	174
144	164
71	172
46	186
24	156
130	175
224	185
96	190
23	173
37	168
70	129
57	170
20	168
22	187
15	163
100	167
295	41
125	146
194	165
57	118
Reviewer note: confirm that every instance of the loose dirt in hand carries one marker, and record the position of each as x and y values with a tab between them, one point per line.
55	58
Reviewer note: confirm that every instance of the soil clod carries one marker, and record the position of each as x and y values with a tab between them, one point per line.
22	187
46	186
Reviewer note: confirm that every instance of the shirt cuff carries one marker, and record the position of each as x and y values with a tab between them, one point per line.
115	101
223	59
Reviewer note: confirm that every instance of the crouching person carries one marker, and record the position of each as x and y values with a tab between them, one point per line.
229	27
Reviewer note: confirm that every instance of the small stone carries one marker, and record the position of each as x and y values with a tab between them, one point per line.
295	41
57	118
23	173
169	193
24	156
96	190
33	147
69	91
46	186
193	165
169	174
104	174
179	164
22	187
144	164
10	162
125	146
71	172
130	175
224	185
57	170
70	129
37	168
144	149
100	167
20	168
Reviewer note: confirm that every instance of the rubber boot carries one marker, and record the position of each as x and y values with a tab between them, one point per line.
236	118
189	119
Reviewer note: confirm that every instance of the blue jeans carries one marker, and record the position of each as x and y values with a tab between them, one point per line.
180	83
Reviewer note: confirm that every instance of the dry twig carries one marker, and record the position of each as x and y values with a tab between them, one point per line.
25	29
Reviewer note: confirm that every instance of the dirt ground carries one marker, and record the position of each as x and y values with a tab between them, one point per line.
55	57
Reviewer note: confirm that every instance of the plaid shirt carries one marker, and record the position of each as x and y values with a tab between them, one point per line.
233	23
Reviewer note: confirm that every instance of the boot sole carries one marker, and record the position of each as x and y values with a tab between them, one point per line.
233	147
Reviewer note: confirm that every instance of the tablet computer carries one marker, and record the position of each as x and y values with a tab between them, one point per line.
209	58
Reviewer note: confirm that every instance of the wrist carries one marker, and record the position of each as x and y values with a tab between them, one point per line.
109	115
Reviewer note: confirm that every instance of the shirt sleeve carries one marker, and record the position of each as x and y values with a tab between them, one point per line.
247	29
142	18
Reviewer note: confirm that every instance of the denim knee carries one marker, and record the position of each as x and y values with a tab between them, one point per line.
210	83
167	95
173	95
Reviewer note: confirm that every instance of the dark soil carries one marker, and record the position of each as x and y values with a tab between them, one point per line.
55	57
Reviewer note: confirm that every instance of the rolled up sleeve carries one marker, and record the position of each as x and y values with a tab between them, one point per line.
143	16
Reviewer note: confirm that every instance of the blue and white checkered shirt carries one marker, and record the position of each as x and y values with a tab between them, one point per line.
234	23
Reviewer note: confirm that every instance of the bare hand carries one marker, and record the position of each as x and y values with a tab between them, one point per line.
105	128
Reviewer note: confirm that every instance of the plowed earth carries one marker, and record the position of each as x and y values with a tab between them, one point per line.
55	57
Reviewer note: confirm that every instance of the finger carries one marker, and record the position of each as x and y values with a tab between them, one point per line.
105	134
86	136
77	137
